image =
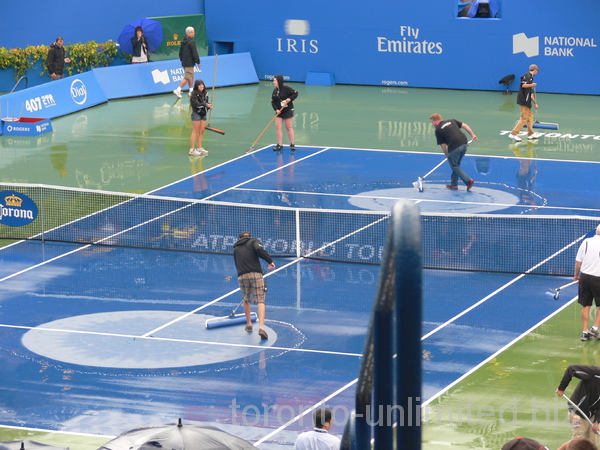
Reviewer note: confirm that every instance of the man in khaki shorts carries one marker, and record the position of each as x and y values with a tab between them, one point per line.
188	55
587	398
246	254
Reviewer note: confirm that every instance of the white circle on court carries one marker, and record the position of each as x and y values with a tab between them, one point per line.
109	340
437	198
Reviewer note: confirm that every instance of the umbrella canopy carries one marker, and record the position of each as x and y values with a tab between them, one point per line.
26	444
152	30
177	437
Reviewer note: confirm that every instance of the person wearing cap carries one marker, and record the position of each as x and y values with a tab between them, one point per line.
525	97
523	443
587	398
587	272
246	254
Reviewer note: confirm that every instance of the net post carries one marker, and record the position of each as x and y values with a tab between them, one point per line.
298	243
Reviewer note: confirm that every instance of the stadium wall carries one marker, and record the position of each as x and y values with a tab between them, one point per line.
415	43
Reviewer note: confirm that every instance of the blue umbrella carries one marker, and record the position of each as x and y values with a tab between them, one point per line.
152	30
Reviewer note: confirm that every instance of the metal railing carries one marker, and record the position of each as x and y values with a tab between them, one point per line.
388	393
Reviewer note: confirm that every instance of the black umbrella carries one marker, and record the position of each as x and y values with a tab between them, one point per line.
177	437
26	444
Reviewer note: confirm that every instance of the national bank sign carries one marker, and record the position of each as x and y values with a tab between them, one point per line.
551	45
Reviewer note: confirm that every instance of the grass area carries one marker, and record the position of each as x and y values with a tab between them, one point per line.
56	439
513	394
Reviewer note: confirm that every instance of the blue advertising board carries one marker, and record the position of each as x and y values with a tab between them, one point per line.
164	76
16	209
25	126
420	44
54	99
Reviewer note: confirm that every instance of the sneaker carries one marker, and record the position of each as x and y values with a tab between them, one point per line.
202	151
470	185
585	336
177	92
278	147
594	332
248	328
194	152
534	136
190	93
449	186
293	147
263	334
515	138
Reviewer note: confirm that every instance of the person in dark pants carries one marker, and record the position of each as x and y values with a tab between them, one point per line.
282	101
246	254
454	146
188	55
56	59
587	272
587	398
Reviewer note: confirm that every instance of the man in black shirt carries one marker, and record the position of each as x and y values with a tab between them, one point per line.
454	145
524	99
246	254
587	398
56	59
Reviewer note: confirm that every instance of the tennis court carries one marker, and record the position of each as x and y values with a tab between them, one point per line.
102	339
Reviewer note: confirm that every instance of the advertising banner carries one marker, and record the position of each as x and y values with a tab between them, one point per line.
164	76
404	43
173	28
54	99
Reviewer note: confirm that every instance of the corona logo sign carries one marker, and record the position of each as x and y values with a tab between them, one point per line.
13	200
16	209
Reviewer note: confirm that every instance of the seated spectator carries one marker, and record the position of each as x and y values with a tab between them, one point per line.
483	8
578	444
523	443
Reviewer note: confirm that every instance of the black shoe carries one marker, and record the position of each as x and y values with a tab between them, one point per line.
293	147
278	147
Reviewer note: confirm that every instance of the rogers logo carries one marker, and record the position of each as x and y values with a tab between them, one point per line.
78	92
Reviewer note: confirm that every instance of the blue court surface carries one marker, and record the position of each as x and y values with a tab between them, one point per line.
100	339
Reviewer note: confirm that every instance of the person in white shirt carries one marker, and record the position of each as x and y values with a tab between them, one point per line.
587	272
319	438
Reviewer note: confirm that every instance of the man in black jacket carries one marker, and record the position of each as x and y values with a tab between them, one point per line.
188	55
587	398
246	254
56	59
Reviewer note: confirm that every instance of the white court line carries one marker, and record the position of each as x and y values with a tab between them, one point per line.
494	355
187	341
305	412
514	280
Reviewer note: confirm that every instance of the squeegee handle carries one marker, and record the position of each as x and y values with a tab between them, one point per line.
581	413
567	285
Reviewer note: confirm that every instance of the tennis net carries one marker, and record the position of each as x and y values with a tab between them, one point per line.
494	243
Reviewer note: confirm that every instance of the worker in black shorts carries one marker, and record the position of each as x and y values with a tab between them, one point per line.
282	101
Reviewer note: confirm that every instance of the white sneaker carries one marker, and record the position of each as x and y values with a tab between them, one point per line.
515	138
535	136
194	152
190	93
177	92
202	151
